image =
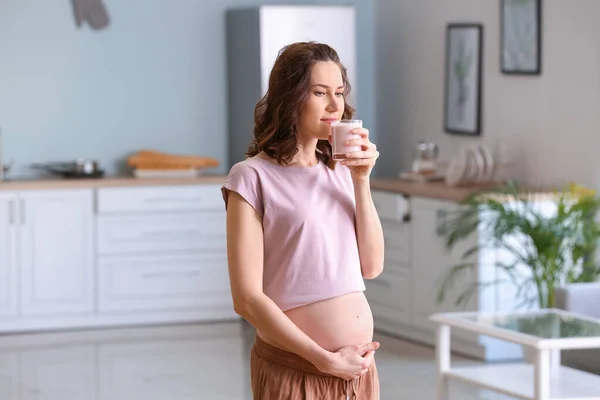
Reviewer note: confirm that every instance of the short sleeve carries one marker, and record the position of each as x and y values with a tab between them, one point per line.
244	180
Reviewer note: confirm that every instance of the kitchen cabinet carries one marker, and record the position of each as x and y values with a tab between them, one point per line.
56	252
112	256
46	264
416	260
162	249
389	294
8	256
163	282
432	259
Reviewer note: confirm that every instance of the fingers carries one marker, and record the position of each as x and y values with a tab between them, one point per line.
364	142
354	162
367	347
361	131
361	373
363	154
369	357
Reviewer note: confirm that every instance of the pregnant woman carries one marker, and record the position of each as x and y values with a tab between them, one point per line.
302	234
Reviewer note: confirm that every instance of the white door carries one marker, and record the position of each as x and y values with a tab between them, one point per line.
8	248
283	25
56	253
431	261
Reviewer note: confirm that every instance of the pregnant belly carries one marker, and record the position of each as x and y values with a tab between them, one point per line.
336	322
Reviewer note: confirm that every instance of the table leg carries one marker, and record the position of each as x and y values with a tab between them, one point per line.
442	350
554	362
542	375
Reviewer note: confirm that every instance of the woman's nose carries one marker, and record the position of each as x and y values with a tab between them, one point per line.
334	104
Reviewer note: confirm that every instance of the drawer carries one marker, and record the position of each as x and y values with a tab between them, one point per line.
396	236
166	282
160	232
390	297
390	206
159	198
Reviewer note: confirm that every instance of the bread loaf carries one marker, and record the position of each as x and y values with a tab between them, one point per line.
155	160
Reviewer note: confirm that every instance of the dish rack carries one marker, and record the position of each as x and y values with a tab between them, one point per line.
475	165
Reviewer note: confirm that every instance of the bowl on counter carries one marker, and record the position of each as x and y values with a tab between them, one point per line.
80	168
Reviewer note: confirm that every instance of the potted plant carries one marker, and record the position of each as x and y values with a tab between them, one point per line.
546	239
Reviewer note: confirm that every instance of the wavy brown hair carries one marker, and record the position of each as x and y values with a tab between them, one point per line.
276	114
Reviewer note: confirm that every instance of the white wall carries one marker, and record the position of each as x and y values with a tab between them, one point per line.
550	124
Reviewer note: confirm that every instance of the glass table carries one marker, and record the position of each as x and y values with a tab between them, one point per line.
544	332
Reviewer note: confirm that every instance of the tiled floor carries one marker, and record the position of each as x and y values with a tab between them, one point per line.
182	362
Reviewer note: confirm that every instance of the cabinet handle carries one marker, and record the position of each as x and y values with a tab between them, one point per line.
441	221
22	209
11	212
172	199
182	274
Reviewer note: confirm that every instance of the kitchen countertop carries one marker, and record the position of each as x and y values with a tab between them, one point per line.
110	181
435	190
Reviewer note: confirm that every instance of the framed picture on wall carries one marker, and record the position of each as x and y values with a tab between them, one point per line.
462	102
521	40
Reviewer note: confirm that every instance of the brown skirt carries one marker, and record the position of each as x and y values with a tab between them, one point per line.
277	374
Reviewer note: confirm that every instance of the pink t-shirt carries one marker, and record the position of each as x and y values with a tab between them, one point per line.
310	247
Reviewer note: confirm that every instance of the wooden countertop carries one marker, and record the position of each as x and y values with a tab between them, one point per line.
116	181
435	190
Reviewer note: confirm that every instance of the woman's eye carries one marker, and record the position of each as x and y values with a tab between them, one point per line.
320	93
339	94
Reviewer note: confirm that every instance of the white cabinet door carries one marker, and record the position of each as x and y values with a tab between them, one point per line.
431	261
390	296
169	232
56	253
164	282
8	262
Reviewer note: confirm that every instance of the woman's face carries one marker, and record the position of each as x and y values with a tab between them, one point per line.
325	101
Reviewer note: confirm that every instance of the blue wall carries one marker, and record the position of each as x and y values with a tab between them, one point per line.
155	78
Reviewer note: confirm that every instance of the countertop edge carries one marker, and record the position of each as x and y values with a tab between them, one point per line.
433	190
125	181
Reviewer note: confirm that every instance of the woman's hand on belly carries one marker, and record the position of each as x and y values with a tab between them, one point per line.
337	322
343	326
350	362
